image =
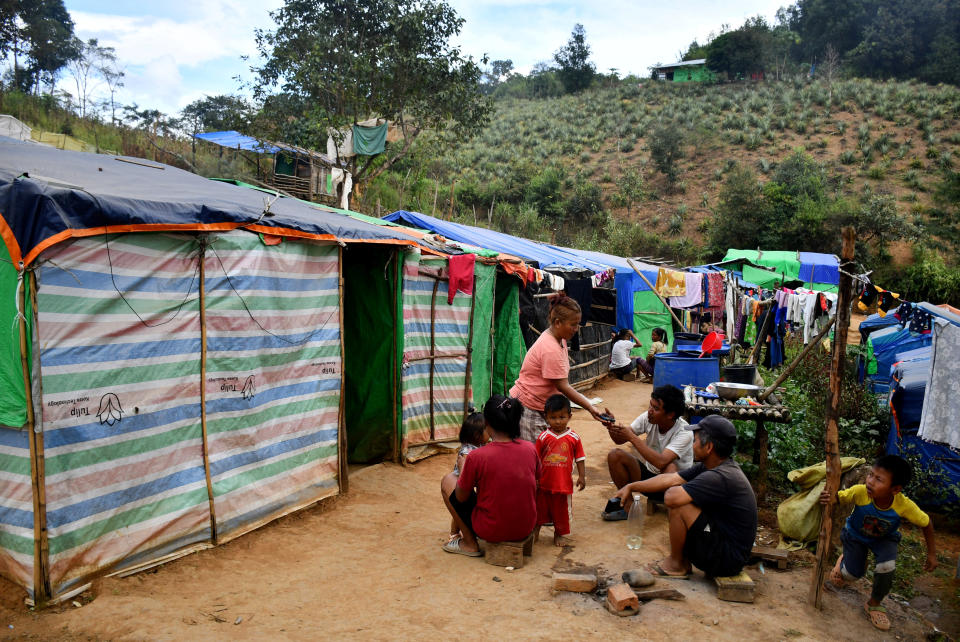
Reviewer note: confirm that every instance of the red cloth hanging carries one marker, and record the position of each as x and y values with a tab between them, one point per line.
461	275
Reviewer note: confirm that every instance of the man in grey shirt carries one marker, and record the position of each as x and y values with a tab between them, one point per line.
713	509
661	443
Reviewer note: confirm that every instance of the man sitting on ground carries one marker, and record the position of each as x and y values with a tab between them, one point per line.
661	443
713	510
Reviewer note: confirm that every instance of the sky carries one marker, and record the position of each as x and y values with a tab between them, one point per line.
177	51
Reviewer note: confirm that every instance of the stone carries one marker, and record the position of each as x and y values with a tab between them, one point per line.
638	578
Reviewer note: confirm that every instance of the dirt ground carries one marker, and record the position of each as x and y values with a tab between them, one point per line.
369	565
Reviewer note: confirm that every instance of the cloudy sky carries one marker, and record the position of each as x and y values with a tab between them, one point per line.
178	50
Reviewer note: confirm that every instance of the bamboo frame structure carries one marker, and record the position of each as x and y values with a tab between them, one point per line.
205	445
42	590
343	471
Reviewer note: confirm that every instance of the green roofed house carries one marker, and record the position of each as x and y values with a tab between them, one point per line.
684	71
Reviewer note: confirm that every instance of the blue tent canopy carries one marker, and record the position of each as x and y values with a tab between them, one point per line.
547	257
819	268
236	140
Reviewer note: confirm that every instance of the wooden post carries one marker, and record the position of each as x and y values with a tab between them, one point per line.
433	356
468	375
205	445
762	335
42	590
344	466
662	300
761	443
832	441
394	375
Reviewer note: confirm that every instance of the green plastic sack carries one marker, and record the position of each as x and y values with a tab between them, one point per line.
799	515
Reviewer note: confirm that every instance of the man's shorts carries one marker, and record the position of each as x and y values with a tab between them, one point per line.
645	474
709	552
464	509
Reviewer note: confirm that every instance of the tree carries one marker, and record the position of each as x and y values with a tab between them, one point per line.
666	148
744	51
340	62
87	66
573	60
113	75
40	34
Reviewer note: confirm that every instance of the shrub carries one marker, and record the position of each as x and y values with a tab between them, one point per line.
666	149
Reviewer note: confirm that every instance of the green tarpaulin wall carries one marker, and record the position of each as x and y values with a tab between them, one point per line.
13	396
649	313
786	264
369	319
509	349
481	348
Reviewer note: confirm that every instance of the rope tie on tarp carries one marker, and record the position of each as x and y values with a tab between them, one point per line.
16	298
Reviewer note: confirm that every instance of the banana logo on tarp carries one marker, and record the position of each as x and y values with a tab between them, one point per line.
111	412
249	389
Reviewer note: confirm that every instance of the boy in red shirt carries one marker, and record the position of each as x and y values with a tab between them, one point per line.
558	448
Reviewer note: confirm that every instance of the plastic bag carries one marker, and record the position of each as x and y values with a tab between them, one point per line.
799	515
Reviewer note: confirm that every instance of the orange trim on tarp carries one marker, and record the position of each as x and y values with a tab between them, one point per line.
13	248
184	227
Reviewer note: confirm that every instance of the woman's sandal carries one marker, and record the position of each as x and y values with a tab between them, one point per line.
658	571
453	546
878	616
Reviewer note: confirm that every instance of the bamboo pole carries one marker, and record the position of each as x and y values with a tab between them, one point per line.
762	335
662	300
468	375
205	445
41	544
394	375
343	474
807	349
832	441
433	351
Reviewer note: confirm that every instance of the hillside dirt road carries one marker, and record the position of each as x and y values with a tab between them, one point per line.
369	565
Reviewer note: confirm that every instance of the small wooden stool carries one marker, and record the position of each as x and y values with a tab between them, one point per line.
508	553
776	556
738	588
652	506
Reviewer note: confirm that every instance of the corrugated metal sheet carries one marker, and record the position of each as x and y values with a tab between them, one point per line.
450	331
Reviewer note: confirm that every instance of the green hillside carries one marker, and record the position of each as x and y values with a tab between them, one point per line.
582	169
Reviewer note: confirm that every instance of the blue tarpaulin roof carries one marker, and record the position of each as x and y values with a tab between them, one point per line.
236	140
819	268
546	256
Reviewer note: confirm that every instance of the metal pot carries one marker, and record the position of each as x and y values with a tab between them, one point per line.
734	391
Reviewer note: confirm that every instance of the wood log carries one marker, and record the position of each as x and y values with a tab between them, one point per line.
832	440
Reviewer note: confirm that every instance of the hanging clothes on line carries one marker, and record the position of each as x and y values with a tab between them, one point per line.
671	282
693	295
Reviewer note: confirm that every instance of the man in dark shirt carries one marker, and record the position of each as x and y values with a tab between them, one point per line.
713	510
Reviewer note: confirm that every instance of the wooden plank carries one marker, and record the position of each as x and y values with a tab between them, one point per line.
343	474
832	440
660	594
777	556
738	588
205	444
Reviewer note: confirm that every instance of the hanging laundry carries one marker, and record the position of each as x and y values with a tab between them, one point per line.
867	297
460	269
713	296
941	402
671	282
581	291
369	141
887	301
693	296
345	148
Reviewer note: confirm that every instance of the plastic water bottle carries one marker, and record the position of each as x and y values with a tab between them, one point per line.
635	523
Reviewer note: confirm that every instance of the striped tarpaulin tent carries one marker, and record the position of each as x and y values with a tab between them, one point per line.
125	340
273	377
16	507
435	387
